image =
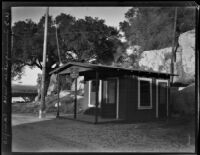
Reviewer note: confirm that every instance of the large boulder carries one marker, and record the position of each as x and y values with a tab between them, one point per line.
160	60
39	81
183	100
52	85
185	64
80	84
156	60
65	80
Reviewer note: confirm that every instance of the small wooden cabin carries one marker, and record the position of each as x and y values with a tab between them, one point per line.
126	94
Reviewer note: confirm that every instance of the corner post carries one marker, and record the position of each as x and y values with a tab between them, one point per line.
58	91
169	100
75	99
97	97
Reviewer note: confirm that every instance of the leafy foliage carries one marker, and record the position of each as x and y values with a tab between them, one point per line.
86	38
79	40
152	27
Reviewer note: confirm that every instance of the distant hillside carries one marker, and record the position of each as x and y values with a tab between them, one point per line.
23	88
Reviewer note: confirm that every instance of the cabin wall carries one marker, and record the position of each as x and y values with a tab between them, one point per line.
128	100
135	114
123	97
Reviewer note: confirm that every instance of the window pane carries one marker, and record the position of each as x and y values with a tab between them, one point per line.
93	86
104	91
145	93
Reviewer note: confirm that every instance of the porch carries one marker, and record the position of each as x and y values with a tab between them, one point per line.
90	118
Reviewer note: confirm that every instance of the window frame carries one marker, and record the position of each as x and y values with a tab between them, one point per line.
89	93
140	107
157	105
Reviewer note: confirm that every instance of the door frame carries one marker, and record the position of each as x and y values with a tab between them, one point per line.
157	93
117	93
151	96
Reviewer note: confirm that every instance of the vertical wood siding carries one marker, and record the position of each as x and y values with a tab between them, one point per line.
128	101
123	96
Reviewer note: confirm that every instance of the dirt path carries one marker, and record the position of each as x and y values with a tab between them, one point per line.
18	119
31	134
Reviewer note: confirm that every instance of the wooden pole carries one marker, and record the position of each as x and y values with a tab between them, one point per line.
97	97
169	99
173	44
58	89
42	105
75	99
197	85
58	48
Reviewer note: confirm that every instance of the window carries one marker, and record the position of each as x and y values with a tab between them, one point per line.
109	91
144	93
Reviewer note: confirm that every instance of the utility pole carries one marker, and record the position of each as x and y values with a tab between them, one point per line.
42	104
173	44
58	48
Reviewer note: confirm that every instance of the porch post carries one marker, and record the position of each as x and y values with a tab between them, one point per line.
58	91
97	97
169	99
75	99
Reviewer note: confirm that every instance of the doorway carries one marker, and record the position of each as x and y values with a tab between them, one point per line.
109	98
162	99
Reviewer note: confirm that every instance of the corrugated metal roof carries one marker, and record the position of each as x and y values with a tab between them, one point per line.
98	66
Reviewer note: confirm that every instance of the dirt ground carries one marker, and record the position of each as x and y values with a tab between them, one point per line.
30	134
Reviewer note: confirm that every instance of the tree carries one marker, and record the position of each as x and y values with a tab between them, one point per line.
28	46
79	40
86	39
152	27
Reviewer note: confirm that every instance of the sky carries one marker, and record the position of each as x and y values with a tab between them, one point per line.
29	77
112	16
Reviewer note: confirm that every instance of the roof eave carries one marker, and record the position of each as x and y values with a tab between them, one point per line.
57	70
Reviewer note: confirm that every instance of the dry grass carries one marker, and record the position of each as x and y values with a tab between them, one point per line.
62	135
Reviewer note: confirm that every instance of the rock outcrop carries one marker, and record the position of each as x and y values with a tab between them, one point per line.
160	60
80	84
52	84
156	60
185	64
183	100
39	81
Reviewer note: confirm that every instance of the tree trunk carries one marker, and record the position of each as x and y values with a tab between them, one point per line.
47	81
